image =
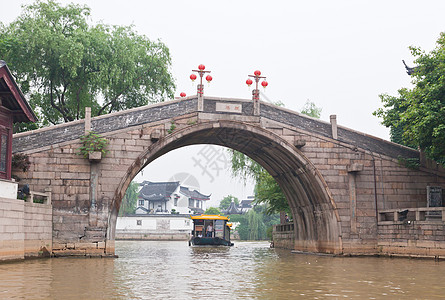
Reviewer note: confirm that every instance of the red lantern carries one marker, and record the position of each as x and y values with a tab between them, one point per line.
193	77
249	82
209	78
182	95
257	73
201	67
264	83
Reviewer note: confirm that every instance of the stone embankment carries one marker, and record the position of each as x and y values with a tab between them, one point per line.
25	229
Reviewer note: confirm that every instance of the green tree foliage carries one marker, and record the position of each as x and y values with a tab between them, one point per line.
63	64
212	211
416	116
311	110
129	202
225	202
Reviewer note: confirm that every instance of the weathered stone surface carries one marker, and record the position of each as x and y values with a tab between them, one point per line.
311	167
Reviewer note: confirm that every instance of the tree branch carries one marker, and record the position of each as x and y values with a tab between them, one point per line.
53	103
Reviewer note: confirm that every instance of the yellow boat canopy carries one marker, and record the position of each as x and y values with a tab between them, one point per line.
209	217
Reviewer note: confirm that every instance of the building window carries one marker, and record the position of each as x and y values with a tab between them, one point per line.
141	202
191	203
139	222
176	201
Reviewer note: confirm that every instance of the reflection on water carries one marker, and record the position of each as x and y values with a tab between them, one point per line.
249	270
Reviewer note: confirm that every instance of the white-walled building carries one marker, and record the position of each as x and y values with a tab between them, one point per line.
165	197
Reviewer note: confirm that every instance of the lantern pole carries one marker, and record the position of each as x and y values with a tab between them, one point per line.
256	92
200	88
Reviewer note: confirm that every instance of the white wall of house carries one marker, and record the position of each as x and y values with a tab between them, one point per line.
182	205
154	227
181	224
8	189
131	223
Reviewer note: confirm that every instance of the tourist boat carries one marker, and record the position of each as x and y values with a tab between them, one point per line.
210	230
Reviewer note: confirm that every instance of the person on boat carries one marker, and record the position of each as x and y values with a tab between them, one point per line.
209	230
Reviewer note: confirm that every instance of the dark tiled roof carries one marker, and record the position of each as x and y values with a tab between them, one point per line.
246	204
193	194
143	208
12	97
233	210
156	191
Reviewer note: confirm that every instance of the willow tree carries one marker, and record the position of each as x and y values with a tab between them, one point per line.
63	64
129	202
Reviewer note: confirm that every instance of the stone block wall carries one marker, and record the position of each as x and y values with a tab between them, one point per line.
38	225
25	229
381	182
12	236
283	236
415	239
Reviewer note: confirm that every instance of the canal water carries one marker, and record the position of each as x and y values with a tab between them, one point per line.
249	270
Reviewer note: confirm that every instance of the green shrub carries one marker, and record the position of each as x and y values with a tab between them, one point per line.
92	142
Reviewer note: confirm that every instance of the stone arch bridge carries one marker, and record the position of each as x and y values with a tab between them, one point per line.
337	180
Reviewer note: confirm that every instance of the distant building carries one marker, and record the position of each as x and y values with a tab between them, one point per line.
240	209
233	209
165	197
247	204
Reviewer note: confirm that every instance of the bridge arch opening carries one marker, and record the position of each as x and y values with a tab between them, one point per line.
317	223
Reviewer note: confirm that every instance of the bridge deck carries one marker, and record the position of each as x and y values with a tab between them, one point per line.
167	110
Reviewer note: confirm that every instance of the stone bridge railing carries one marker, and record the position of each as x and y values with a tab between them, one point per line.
46	197
400	216
283	236
414	232
284	227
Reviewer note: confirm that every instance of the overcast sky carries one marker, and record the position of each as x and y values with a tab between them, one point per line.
338	54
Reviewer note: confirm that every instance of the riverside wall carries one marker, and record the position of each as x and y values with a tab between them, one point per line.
413	239
407	238
25	229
